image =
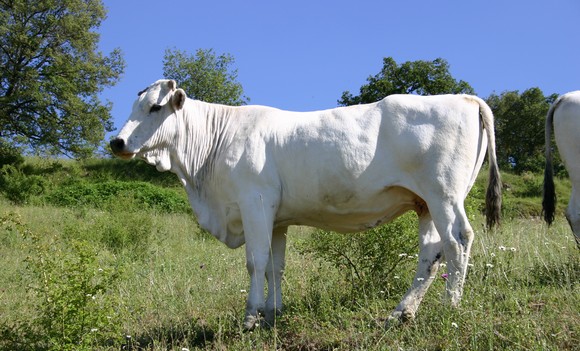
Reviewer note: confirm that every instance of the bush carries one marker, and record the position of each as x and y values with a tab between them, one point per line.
10	155
70	283
19	187
100	195
370	259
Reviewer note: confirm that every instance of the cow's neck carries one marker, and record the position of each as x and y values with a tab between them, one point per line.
202	132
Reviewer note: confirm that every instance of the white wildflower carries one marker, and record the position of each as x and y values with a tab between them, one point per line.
489	265
512	249
502	248
454	325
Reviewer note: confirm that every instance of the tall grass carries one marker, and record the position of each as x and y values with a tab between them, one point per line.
188	291
177	287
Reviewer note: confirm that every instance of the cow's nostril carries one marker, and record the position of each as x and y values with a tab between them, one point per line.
117	145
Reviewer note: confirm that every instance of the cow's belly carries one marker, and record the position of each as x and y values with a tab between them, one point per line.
351	214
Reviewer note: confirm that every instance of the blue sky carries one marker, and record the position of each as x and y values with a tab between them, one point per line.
302	54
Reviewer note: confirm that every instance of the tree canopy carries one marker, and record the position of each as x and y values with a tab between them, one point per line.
520	120
411	77
205	76
51	73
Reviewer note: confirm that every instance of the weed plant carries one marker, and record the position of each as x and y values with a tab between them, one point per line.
69	285
368	259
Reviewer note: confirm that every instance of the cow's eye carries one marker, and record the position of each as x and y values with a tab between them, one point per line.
155	108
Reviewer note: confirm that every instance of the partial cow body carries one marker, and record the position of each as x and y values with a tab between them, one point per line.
252	171
564	117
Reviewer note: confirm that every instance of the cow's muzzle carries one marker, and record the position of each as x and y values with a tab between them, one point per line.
118	147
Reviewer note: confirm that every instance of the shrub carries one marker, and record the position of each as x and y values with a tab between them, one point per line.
19	187
100	195
370	259
10	154
71	283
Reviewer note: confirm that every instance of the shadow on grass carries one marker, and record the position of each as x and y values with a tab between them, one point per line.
194	334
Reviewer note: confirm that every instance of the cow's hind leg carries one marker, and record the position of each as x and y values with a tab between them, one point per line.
430	255
274	272
573	214
457	237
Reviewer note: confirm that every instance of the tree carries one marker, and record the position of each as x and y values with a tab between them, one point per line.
520	120
205	76
51	74
412	77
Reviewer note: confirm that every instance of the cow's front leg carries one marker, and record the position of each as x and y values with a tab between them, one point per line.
274	271
257	218
257	254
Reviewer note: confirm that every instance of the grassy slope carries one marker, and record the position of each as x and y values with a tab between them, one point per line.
185	289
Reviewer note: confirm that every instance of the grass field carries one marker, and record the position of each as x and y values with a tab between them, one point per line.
82	277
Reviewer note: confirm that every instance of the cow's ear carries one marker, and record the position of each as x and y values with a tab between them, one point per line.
172	85
178	99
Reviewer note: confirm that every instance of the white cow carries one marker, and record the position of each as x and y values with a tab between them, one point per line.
252	171
564	117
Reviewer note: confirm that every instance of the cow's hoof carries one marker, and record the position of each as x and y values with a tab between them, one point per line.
251	322
399	317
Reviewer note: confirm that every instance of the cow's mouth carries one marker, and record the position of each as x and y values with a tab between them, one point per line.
119	148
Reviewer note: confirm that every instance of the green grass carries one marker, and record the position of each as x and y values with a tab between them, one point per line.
187	290
178	287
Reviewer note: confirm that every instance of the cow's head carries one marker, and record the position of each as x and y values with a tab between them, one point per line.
151	127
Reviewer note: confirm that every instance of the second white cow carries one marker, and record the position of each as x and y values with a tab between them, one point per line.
252	171
564	117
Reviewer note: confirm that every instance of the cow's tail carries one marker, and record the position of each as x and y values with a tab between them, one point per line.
493	194
549	196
